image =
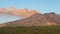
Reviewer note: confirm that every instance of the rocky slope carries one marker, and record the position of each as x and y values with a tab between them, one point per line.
30	17
37	20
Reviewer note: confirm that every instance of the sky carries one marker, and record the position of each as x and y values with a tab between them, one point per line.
42	6
7	18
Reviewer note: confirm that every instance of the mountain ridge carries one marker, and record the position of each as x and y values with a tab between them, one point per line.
37	19
30	17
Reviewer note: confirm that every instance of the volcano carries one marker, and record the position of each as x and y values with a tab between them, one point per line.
46	19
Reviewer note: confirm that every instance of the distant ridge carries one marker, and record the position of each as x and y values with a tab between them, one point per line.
30	17
47	19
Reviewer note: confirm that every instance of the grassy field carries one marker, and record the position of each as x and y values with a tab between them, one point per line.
30	30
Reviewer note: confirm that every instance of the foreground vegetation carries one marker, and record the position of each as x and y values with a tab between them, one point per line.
30	30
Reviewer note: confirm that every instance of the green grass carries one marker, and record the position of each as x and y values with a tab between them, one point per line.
30	30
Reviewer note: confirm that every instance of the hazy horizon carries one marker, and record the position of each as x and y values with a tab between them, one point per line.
7	18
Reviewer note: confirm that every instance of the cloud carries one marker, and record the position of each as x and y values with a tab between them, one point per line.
3	10
23	13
